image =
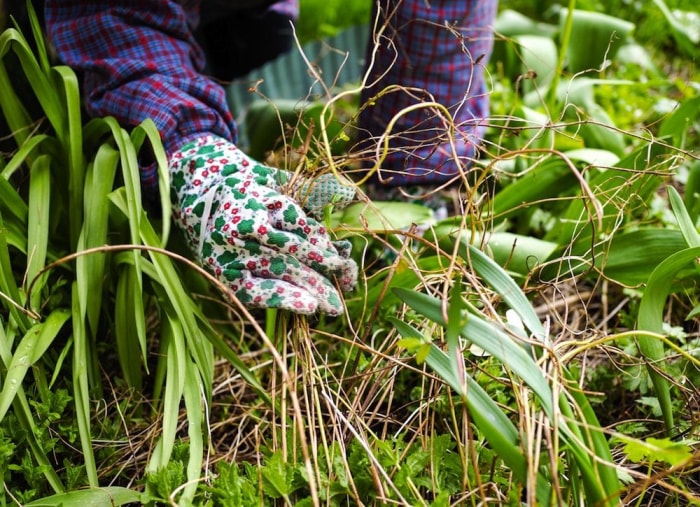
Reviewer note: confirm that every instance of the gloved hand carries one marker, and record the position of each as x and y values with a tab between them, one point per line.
254	238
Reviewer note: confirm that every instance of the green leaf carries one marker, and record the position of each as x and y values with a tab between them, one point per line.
194	403
30	349
685	223
8	286
657	449
96	497
493	423
23	155
381	216
81	389
678	124
603	36
148	130
684	27
71	138
650	318
39	211
90	268
277	476
548	179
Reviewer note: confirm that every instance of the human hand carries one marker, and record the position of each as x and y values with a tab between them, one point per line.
254	238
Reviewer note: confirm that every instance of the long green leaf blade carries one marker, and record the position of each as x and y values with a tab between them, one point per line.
650	318
29	350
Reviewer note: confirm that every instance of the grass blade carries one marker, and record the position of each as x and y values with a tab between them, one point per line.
194	394
131	349
489	338
29	350
39	210
8	286
148	130
43	90
81	361
71	138
112	496
23	154
685	223
25	420
90	268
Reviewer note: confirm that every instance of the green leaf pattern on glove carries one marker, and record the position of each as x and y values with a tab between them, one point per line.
253	237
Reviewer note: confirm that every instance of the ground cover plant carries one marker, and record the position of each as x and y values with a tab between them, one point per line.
541	347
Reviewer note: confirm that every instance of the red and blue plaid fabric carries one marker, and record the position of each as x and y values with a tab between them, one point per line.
435	51
140	60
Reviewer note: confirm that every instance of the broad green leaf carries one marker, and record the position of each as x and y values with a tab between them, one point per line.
594	157
692	190
11	203
13	111
635	172
657	449
277	476
486	414
633	255
174	352
511	23
23	155
489	338
183	305
538	55
550	178
24	415
517	253
603	35
650	318
381	216
600	479
495	277
11	39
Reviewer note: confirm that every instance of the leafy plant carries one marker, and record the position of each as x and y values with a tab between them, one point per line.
76	294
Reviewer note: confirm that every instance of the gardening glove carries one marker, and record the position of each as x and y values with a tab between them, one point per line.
254	238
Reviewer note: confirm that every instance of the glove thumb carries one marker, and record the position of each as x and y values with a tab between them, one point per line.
315	194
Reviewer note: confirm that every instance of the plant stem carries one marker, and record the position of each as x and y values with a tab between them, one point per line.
565	36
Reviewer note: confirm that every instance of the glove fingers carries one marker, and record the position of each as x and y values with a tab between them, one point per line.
282	276
278	223
266	293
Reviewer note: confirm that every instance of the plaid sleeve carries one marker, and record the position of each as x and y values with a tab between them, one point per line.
139	60
435	51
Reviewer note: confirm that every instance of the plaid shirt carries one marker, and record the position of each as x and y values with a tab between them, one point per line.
140	60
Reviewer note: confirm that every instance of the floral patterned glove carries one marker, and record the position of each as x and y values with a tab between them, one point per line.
254	238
